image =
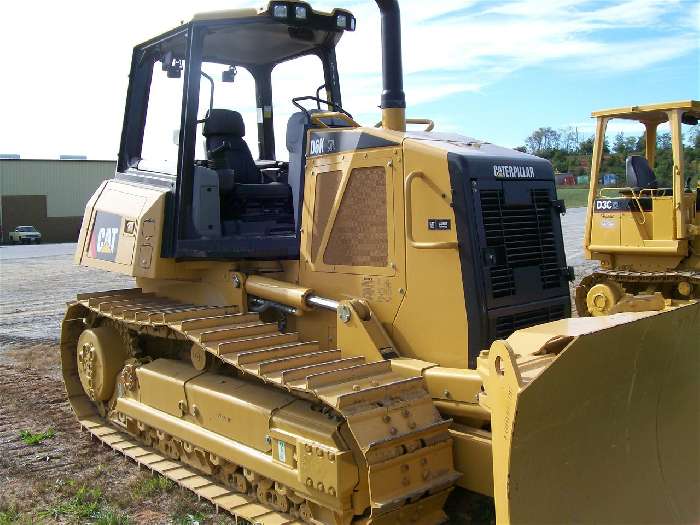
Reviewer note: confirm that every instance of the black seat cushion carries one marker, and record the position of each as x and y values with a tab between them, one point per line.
272	192
224	131
224	122
639	174
260	202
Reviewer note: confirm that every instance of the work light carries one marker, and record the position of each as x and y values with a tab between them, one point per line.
300	12
279	11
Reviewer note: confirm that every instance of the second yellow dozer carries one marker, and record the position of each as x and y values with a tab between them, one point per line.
646	236
347	336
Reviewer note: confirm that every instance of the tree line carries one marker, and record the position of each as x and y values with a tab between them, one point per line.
570	152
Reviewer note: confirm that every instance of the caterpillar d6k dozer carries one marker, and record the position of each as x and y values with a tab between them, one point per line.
646	236
347	336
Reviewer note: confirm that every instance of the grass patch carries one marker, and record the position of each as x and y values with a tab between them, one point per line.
9	516
32	438
187	510
573	197
85	505
112	517
152	486
196	518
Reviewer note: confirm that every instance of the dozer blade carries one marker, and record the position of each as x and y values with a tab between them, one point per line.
596	420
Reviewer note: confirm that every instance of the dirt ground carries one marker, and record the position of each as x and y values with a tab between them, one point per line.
68	477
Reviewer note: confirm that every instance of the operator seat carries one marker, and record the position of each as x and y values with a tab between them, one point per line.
297	127
639	175
227	151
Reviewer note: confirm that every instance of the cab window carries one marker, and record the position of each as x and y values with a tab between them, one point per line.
159	150
287	83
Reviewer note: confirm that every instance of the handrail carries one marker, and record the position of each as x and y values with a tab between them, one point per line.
316	118
409	219
653	192
429	123
636	198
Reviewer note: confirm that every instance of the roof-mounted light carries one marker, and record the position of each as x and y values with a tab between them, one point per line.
345	21
300	12
279	11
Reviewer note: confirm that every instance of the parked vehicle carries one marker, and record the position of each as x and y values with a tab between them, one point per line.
25	235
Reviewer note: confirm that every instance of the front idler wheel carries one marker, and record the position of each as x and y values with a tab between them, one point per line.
101	355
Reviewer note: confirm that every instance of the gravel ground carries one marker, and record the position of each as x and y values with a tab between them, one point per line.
56	480
573	226
36	281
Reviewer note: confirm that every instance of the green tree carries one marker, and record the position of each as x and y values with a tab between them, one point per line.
586	147
569	154
620	144
625	145
560	161
694	135
543	141
663	141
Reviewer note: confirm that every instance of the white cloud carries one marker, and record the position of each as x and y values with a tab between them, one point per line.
68	68
520	33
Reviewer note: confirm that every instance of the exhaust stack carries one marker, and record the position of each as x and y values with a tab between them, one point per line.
393	98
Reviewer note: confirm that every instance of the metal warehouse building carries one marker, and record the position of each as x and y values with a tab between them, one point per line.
49	194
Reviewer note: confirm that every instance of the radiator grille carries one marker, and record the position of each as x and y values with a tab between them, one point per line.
519	236
507	324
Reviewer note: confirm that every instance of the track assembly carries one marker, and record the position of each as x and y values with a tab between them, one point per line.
386	456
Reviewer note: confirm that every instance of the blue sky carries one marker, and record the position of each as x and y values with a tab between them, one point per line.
513	66
492	69
538	96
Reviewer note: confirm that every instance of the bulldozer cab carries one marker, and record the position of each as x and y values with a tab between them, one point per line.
650	214
197	97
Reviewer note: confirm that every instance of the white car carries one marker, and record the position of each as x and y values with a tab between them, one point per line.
25	235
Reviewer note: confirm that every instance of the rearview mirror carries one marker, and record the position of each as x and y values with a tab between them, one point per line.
173	66
175	71
229	75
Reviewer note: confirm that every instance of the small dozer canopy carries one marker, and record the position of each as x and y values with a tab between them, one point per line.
657	113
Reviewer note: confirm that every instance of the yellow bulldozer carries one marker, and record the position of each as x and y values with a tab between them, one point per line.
646	237
353	334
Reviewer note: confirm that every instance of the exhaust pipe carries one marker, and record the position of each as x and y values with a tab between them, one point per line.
393	98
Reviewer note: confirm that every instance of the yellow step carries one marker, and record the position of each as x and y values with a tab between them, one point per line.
252	343
302	372
219	320
285	363
231	331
